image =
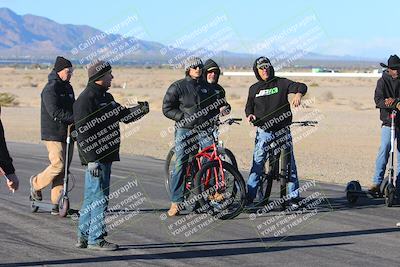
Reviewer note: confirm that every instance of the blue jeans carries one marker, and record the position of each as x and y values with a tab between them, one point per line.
262	150
186	143
92	226
383	157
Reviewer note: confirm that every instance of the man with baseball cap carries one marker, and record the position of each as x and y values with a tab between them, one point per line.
387	96
57	99
97	116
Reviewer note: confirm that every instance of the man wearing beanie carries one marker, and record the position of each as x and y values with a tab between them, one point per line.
184	100
97	116
57	99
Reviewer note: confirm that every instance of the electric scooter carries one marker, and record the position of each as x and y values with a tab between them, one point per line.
387	188
63	202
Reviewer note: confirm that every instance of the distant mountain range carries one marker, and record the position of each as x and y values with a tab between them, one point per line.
31	38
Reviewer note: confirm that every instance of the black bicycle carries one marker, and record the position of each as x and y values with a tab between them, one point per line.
277	168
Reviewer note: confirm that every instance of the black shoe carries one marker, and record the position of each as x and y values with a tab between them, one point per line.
292	204
35	195
81	243
55	210
104	246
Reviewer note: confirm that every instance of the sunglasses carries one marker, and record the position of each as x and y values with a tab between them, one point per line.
263	68
200	66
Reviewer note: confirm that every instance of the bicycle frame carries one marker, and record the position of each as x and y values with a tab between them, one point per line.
210	153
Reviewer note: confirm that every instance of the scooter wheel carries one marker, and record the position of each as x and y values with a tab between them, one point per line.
352	188
352	199
63	207
34	208
389	195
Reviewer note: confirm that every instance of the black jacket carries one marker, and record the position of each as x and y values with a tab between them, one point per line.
5	159
189	102
387	87
97	118
268	100
56	108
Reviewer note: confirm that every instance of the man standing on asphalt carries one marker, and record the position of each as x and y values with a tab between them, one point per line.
57	99
268	108
387	96
97	116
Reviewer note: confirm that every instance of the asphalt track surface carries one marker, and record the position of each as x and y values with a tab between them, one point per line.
329	232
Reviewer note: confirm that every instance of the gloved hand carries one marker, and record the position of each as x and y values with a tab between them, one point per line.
144	107
94	169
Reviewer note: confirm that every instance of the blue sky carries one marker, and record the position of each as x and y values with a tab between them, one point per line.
356	28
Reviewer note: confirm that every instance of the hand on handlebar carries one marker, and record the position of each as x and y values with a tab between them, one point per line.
389	101
296	101
251	118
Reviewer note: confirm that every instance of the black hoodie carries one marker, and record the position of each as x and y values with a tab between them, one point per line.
219	90
268	100
387	87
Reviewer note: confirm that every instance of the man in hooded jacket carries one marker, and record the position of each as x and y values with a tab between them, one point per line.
268	108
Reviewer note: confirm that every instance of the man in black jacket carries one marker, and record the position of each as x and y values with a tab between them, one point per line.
387	96
97	116
189	102
6	166
57	99
268	108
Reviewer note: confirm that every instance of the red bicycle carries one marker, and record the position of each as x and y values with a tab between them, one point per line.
213	185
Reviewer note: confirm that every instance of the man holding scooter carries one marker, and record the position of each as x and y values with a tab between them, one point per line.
57	99
387	98
97	116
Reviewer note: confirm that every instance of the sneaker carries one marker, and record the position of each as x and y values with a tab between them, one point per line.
81	243
35	195
398	224
103	246
292	204
55	210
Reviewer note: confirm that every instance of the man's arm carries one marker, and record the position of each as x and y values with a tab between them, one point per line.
5	159
380	100
170	106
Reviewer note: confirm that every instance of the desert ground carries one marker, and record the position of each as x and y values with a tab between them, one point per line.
341	148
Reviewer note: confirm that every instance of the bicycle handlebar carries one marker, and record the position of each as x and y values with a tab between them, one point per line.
230	121
305	123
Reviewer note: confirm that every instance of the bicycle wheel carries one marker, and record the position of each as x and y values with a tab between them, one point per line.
220	191
168	169
227	156
265	187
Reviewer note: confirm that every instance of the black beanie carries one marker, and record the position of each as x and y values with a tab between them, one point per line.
62	63
98	70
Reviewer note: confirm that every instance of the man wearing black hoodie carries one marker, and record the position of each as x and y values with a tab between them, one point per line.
56	114
387	96
268	108
211	76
